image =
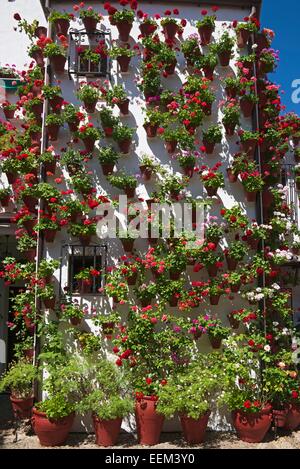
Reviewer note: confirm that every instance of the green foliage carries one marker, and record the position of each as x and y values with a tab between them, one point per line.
19	379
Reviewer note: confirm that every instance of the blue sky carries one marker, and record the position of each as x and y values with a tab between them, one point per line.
284	19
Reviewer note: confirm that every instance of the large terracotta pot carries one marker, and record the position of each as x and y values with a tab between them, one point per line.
194	429
58	63
62	26
123	62
107	431
205	33
90	24
279	417
252	428
170	30
22	408
211	191
149	422
293	417
51	432
124	28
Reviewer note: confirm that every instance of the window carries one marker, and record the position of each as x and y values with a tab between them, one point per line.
83	259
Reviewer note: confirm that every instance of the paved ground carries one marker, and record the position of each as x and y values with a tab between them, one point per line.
24	438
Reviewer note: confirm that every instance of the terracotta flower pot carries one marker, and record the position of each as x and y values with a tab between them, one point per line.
146	172
30	202
37	110
293	417
234	323
170	69
252	428
235	288
50	235
51	432
253	243
75	321
212	270
90	24
29	353
231	92
251	196
58	63
30	254
149	422
73	126
243	37
214	300
108	131
124	107
151	130
247	107
211	191
62	26
215	342
107	431
56	103
127	244
147	29
89	143
131	279
84	286
194	429
231	263
90	107
173	301
9	113
170	31
107	168
124	28
188	171
123	62
124	146
85	240
224	58
22	408
5	201
208	73
40	32
171	146
52	132
231	176
279	417
50	167
38	56
249	147
49	303
12	177
130	192
230	129
205	33
35	138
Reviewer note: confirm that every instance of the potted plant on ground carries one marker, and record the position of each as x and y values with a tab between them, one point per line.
189	393
19	381
72	116
123	20
122	134
61	21
123	56
107	157
124	181
117	95
89	134
57	56
212	180
105	396
206	27
224	48
231	117
53	123
89	95
211	137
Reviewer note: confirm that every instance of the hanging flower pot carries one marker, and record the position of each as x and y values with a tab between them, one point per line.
107	431
249	147
231	263
124	28
124	146
124	107
171	146
37	110
251	196
22	408
52	132
149	422
75	321
147	29
205	33
52	432
174	275
253	243
107	168
211	191
108	131
243	37
9	113
56	103
50	167
90	24
58	63
232	177
89	143
84	285
29	324
123	61
224	58
30	202
231	92
130	192
208	73
85	240
235	288
146	172
49	303
50	235
151	130
170	31
247	106
214	299
131	278
11	177
29	353
234	323
40	32
4	201
293	417
62	26
30	254
252	427
89	106
230	129
38	56
173	301
194	429
188	171
170	69
279	417
127	244
212	270
73	126
35	137
215	342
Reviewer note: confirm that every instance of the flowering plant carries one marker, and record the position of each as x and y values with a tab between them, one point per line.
253	181
122	132
235	217
146	292
213	134
116	52
236	250
88	94
82	229
122	181
107	155
231	113
211	177
207	21
116	95
89	13
72	310
51	92
89	131
72	113
214	328
225	44
53	50
268	58
190	48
